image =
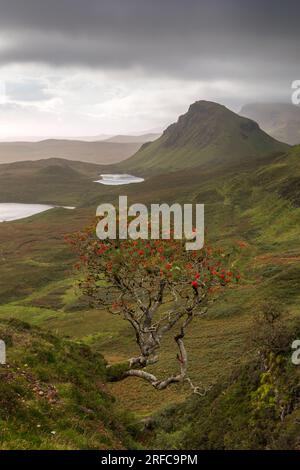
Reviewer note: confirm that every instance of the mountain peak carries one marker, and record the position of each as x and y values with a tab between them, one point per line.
203	108
204	104
207	133
203	123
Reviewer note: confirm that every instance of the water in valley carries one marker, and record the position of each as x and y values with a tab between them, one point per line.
118	179
17	211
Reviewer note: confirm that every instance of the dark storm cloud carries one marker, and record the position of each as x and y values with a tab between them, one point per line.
224	39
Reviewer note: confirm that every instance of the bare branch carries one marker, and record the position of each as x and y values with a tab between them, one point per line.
157	287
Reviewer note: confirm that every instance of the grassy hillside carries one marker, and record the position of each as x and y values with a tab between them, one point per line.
53	394
257	407
52	181
253	205
208	133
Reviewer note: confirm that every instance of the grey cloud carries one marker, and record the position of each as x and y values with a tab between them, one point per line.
26	90
152	16
205	40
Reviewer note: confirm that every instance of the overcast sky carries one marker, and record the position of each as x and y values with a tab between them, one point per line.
74	67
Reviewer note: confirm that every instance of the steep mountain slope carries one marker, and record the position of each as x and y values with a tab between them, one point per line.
53	394
257	407
280	120
93	152
207	133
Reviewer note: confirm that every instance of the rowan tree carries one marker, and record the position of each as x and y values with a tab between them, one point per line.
155	285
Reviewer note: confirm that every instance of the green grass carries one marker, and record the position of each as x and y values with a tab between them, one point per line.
53	394
257	407
243	203
207	134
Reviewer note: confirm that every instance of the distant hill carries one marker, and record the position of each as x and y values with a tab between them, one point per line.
54	180
92	152
207	133
140	139
34	138
281	121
